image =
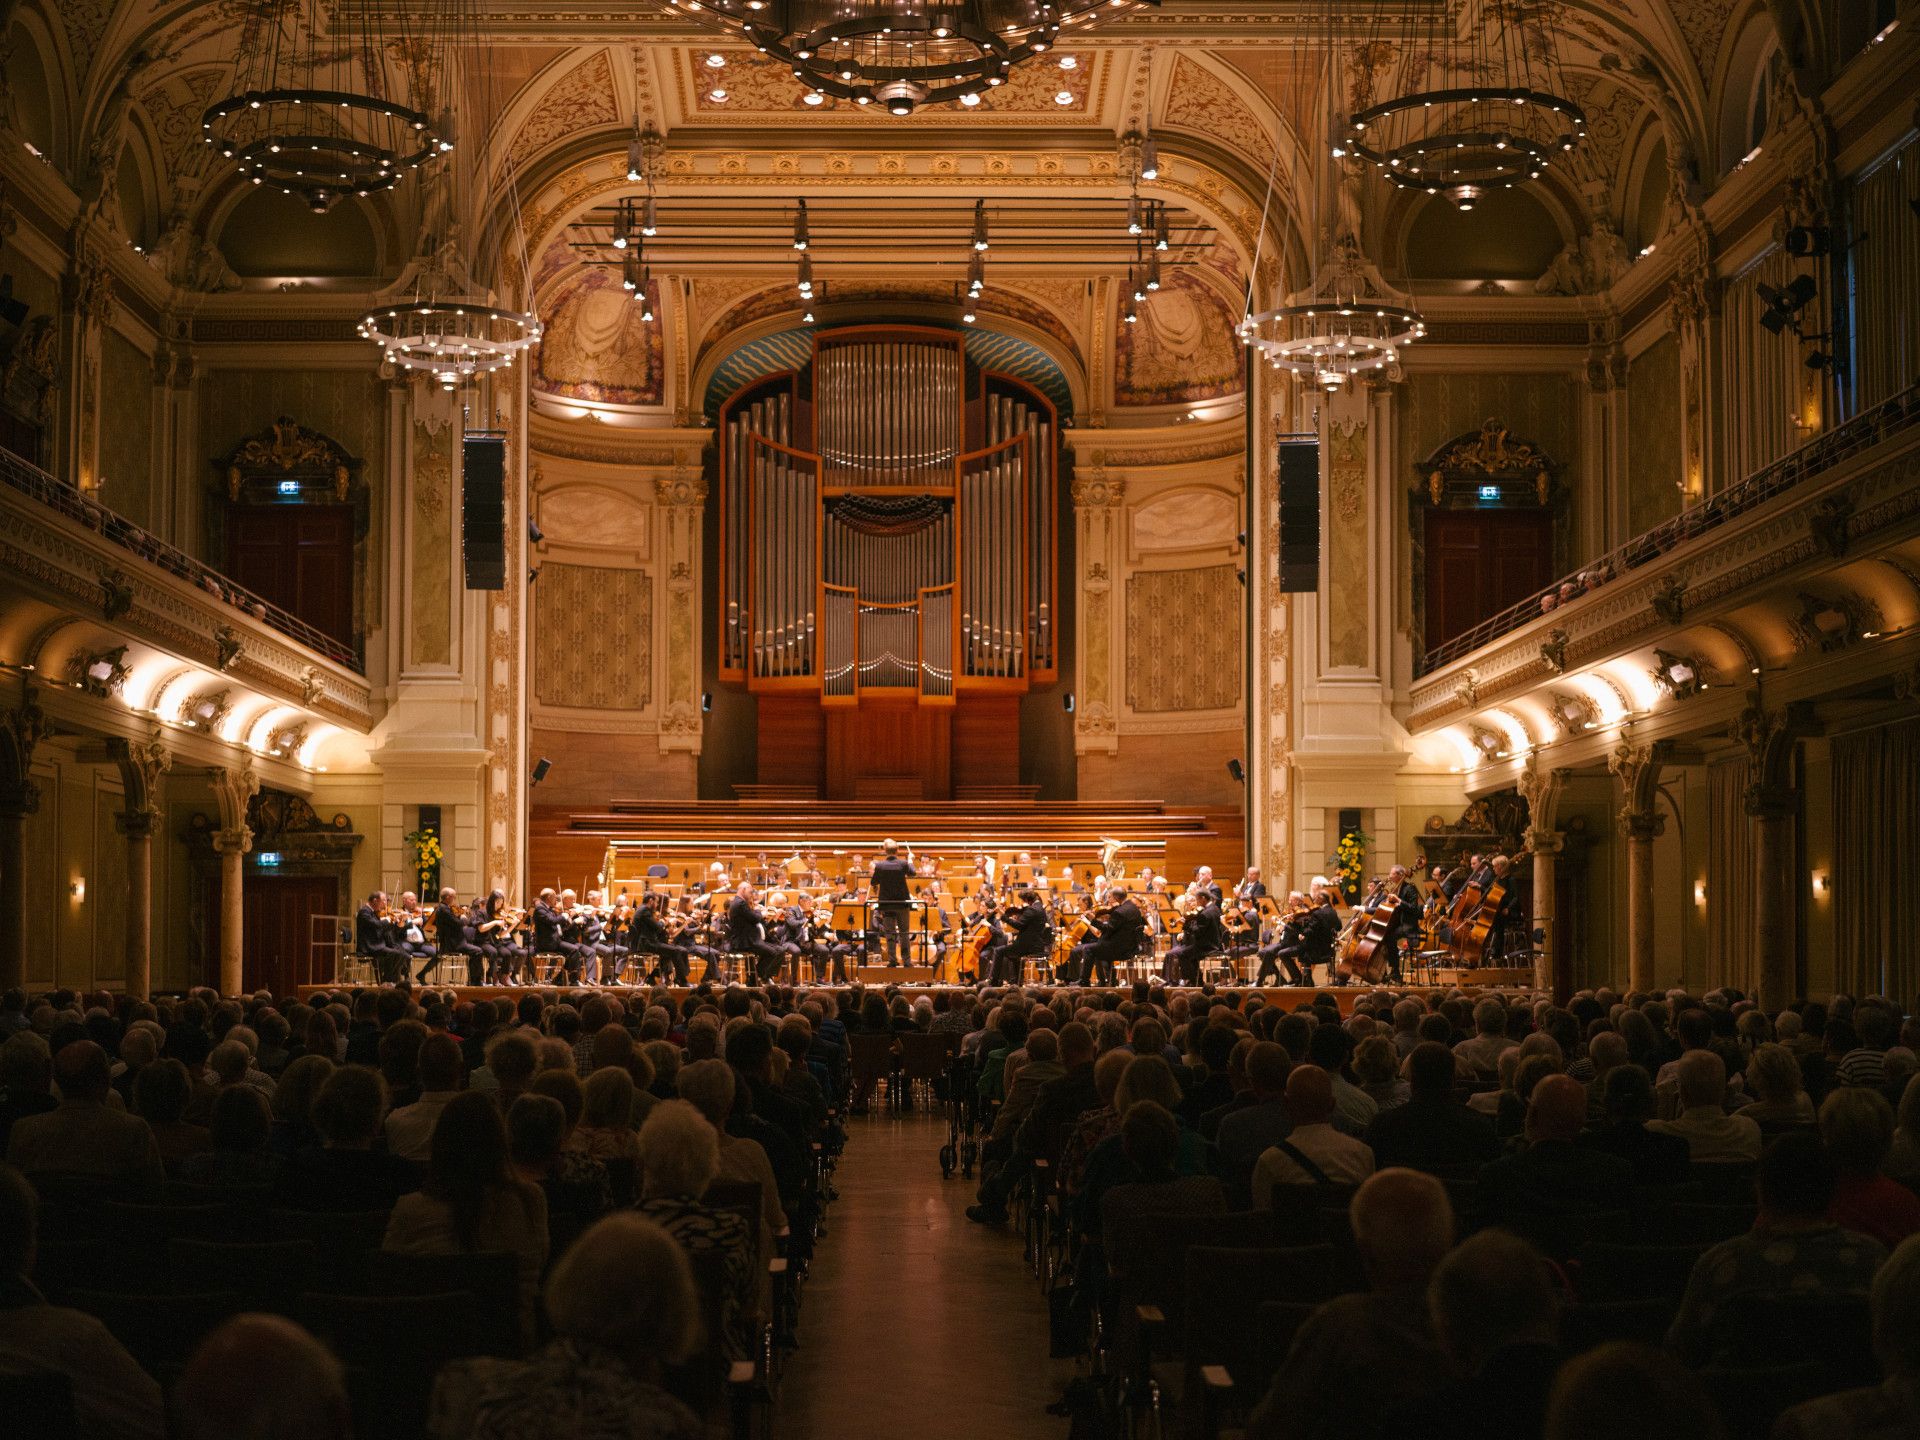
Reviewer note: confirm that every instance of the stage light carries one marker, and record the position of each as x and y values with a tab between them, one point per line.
1149	160
980	225
540	769
1808	240
1237	771
800	238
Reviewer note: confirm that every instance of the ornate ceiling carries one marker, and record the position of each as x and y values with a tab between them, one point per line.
1230	89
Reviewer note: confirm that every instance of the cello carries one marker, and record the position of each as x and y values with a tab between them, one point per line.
1363	953
1471	939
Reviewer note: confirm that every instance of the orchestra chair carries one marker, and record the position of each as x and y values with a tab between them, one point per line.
354	969
547	964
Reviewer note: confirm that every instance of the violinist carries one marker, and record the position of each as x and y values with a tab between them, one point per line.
376	937
786	929
495	926
413	935
746	933
1200	935
647	936
450	934
1032	938
1118	938
550	930
1306	940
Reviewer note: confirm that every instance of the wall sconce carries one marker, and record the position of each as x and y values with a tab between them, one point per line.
1678	675
1822	886
78	889
1700	892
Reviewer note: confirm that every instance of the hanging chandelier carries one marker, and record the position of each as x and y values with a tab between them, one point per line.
903	54
330	98
1476	99
452	340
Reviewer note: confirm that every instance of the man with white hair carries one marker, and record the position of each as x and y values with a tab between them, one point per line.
1710	1133
1403	1227
747	933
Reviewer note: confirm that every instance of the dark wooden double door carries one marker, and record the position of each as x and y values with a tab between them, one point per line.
277	931
1478	562
299	557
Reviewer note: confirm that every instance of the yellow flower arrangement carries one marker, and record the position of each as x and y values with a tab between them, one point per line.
1348	861
425	845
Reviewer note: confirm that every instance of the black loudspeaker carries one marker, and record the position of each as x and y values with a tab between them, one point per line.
1300	515
540	769
483	510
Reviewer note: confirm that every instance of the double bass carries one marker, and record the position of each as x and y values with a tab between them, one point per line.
1362	954
1471	937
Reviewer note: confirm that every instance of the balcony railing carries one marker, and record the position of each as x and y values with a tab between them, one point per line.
32	481
1867	429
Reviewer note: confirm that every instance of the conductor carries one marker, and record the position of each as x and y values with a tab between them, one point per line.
894	898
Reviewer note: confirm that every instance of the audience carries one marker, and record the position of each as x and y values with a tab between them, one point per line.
1432	1130
1313	1152
683	1157
1496	1321
1534	1190
114	1399
262	1377
470	1201
439	1068
1703	1122
1856	1125
345	1172
83	1136
1627	1103
1890	1410
1625	1391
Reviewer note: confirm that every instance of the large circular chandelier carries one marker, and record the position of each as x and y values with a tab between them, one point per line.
1333	335
1475	99
452	340
903	54
330	98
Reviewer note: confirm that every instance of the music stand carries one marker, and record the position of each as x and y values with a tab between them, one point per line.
1012	875
919	885
923	923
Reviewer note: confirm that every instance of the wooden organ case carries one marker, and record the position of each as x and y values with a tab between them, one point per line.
889	564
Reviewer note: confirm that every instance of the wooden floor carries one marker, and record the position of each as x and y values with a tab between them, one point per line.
917	1324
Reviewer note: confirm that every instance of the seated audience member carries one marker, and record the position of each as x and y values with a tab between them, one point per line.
1313	1153
471	1202
262	1377
113	1398
682	1158
1150	1139
293	1103
1146	1077
1627	1100
1856	1125
160	1098
1353	1109
240	1157
1403	1227
1780	1099
710	1086
1432	1129
621	1304
606	1130
439	1067
139	1048
1711	1134
1376	1065
1533	1190
83	1136
1792	1247
1490	1041
1496	1319
1248	1131
576	1187
1877	1026
346	1172
26	1080
1891	1409
1096	1124
1624	1391
1903	1156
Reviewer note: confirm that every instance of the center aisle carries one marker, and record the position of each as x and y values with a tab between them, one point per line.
916	1322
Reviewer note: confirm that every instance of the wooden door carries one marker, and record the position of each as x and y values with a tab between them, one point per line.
277	943
1478	562
299	557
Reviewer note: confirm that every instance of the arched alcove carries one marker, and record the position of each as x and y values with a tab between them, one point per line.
33	109
272	233
1509	235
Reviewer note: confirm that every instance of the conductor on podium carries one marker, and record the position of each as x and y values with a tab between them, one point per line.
894	897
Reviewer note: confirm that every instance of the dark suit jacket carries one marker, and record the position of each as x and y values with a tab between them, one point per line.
743	925
889	882
1424	1133
546	929
1531	1190
1204	930
1656	1159
1120	936
370	932
1061	1102
449	930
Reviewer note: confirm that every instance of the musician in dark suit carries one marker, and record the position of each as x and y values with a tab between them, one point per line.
647	936
374	936
550	931
1405	925
746	934
1029	933
411	935
1201	935
1251	887
1306	940
1500	873
1118	938
450	934
895	899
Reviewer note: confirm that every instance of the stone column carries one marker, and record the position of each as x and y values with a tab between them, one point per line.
141	764
1638	767
234	789
1546	846
232	846
1770	738
21	728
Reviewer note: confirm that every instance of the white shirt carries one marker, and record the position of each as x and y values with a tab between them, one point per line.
1345	1161
1712	1134
410	1128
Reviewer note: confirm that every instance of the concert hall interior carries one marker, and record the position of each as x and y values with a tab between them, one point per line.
1132	499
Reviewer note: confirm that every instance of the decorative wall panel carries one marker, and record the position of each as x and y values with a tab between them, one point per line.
1654	468
126	431
430	625
1183	639
595	629
1182	349
1349	575
597	347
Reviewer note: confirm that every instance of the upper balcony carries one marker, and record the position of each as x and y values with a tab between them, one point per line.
80	582
1769	583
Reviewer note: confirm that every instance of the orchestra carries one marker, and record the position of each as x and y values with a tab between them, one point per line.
986	919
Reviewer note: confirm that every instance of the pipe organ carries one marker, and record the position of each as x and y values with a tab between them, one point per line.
888	527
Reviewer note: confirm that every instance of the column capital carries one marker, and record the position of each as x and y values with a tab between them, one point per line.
1097	490
1541	790
1544	842
141	764
233	842
137	824
1642	824
234	787
1769	737
1771	802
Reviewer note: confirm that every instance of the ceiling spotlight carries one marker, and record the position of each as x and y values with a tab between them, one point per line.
979	225
1149	160
649	221
636	157
620	228
970	99
1808	240
813	97
1063	97
966	314
1134	223
805	284
1131	315
1160	228
717	95
976	273
1069	62
800	240
901	97
716	61
1153	272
